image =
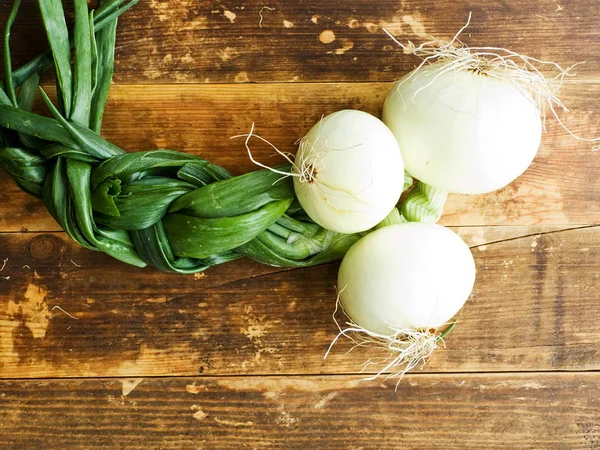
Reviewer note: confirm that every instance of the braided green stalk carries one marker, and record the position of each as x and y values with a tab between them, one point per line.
171	210
424	203
174	211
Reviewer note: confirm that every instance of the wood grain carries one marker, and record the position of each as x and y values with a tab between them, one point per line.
197	41
534	307
233	358
561	187
549	411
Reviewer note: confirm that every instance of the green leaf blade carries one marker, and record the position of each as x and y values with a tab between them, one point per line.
198	237
57	32
235	196
82	95
105	50
9	84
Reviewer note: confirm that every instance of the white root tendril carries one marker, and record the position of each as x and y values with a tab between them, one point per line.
65	312
494	62
304	168
407	348
260	13
304	164
251	134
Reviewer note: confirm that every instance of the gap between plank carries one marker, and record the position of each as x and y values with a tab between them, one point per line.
571	227
572	82
500	373
542	233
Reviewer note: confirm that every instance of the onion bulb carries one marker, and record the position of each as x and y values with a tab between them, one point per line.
348	172
463	131
407	276
401	283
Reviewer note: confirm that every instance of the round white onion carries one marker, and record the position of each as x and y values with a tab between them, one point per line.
463	131
413	276
352	172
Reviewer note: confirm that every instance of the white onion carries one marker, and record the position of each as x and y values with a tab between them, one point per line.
463	131
352	172
413	276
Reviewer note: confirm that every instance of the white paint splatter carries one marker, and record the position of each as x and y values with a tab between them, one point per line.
234	423
415	25
230	15
327	36
286	418
534	244
225	56
129	384
533	385
353	23
193	389
346	45
242	77
198	413
321	404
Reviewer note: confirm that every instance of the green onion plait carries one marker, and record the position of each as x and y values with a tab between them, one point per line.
174	211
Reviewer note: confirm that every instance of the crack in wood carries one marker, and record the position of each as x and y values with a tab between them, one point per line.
542	233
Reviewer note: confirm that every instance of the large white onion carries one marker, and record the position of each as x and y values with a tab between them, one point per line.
413	276
358	172
463	131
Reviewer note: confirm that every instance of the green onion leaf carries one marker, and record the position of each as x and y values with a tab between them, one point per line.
105	51
58	37
10	87
82	88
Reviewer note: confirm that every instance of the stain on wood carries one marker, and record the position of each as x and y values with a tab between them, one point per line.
339	412
246	318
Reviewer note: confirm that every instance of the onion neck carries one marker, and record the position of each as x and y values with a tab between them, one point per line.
424	203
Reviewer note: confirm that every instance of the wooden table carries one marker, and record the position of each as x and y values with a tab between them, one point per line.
94	353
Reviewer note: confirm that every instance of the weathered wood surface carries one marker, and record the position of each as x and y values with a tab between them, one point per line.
561	187
197	41
189	75
535	307
462	411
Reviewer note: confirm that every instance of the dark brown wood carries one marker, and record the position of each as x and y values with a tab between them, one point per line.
549	411
535	307
197	41
242	345
561	186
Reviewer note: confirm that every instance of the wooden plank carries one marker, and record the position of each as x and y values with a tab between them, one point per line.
535	307
191	41
561	187
550	411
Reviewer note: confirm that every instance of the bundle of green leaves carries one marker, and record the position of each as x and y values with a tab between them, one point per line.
174	211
